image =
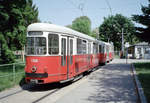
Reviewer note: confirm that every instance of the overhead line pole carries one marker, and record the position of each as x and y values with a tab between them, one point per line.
122	41
79	7
122	48
109	6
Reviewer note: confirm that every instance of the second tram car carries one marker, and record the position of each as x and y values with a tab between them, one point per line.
55	53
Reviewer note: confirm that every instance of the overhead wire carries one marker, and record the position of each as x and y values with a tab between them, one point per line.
109	6
80	7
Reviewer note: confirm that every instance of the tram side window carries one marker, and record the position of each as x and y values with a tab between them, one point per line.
89	48
63	51
100	49
95	48
71	51
104	49
81	46
53	44
107	49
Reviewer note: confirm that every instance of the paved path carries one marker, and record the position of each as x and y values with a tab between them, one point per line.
112	83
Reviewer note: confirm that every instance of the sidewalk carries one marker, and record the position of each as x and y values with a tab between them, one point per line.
112	83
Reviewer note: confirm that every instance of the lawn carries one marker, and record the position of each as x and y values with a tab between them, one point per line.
143	72
8	79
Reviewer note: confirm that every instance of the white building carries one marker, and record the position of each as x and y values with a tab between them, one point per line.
139	51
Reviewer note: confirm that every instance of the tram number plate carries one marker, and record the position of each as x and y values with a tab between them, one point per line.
34	81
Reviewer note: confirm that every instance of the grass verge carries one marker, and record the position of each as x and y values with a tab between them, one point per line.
7	77
143	73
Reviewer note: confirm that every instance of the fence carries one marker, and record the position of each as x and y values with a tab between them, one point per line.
117	54
11	74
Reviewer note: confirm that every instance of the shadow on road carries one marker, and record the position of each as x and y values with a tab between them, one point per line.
113	84
44	87
50	86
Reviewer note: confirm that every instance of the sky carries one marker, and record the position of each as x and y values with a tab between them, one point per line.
63	12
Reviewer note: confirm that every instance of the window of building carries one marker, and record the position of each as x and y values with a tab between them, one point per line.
139	50
147	50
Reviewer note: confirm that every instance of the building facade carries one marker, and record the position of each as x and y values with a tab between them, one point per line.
139	51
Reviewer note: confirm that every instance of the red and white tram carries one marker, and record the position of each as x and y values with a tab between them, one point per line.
55	53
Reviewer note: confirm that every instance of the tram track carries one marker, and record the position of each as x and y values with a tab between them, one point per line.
42	92
24	87
52	92
31	90
56	94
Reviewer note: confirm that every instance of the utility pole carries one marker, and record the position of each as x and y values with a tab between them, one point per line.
81	7
109	6
122	46
122	41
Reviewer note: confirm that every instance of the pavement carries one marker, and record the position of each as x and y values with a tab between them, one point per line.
112	83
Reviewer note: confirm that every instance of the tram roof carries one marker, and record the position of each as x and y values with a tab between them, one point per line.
56	28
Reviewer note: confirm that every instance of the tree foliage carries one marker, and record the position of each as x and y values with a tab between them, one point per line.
15	16
110	30
69	26
82	24
95	33
144	19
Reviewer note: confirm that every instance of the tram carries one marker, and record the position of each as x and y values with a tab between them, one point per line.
56	54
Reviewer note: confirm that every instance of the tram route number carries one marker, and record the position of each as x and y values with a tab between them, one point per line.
34	60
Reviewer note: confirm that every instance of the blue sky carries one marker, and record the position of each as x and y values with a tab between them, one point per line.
63	12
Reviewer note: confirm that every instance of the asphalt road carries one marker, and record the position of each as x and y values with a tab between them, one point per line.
112	83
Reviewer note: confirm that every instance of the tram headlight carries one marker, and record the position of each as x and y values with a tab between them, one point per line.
33	69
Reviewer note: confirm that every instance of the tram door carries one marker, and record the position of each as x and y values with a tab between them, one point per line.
67	56
107	51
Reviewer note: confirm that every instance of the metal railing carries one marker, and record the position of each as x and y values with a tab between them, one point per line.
9	73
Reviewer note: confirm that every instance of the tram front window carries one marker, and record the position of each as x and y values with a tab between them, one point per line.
36	46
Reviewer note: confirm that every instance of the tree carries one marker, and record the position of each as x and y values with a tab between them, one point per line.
82	24
15	16
110	30
144	19
69	26
95	33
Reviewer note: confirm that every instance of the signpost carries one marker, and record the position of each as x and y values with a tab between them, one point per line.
127	45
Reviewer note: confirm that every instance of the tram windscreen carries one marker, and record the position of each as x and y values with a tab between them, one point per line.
36	46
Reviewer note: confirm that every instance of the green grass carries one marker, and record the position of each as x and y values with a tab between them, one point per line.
10	81
143	72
